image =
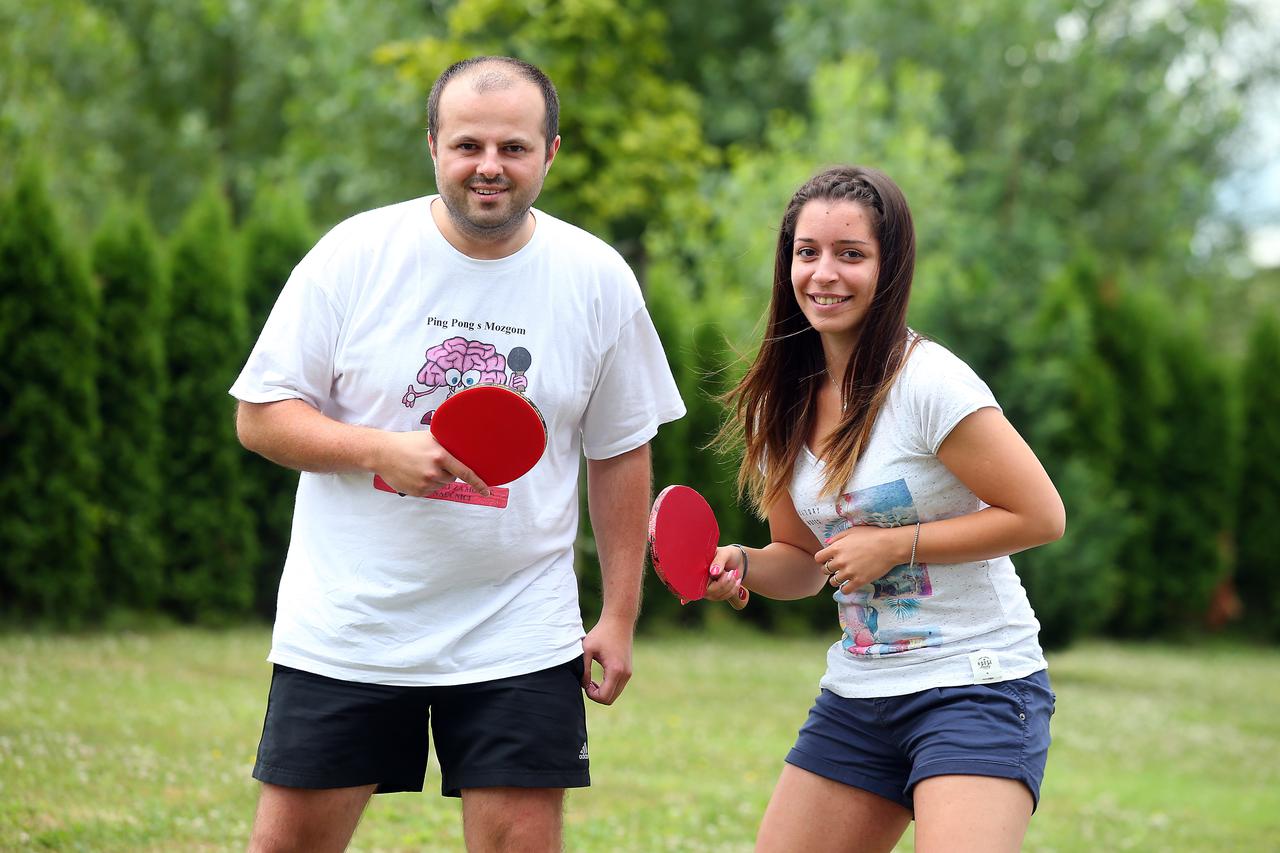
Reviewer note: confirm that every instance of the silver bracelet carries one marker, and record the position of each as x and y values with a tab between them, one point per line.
914	543
745	562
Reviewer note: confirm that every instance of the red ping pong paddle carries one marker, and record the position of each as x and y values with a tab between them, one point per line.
496	432
683	536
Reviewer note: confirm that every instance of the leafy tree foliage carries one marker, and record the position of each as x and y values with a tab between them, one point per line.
131	380
48	413
210	535
144	96
1101	124
729	52
67	78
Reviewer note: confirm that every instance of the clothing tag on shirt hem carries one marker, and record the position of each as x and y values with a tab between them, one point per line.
986	666
456	492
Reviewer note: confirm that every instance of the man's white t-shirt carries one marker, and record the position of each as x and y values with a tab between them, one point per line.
935	624
377	325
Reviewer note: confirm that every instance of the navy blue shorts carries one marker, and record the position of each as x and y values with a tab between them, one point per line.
887	745
526	731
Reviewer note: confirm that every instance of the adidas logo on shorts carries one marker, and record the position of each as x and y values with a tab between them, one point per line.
582	754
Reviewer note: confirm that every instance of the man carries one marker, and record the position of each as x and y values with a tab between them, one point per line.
395	609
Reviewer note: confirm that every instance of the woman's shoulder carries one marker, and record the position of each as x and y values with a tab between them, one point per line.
933	369
927	358
935	390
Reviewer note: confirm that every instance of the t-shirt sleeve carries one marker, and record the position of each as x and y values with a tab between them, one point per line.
634	395
293	358
941	391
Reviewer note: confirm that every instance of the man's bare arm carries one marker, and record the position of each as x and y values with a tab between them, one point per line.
294	434
618	491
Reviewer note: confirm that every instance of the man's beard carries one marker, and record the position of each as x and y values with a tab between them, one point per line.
485	232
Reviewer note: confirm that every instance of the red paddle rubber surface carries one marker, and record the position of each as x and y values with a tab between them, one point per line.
496	432
682	541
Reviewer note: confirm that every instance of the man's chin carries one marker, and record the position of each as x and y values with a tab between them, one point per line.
490	227
488	221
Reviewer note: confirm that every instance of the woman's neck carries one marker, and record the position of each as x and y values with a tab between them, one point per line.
837	354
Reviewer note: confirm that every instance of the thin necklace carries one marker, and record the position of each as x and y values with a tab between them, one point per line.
844	404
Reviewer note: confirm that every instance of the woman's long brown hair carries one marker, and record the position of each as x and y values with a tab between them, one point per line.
774	405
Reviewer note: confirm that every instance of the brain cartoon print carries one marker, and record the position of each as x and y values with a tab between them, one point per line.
457	364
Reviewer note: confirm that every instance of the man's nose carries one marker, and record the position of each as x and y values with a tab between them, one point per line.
489	166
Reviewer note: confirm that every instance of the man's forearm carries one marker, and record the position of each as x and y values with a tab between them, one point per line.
618	492
293	434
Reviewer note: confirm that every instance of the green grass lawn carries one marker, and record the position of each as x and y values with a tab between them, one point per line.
145	742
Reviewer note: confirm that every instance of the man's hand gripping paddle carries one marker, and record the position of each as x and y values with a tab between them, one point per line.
683	536
495	431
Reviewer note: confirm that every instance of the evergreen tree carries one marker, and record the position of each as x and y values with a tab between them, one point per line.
48	413
1133	333
276	236
1064	401
714	370
131	383
209	533
1258	534
1196	508
669	304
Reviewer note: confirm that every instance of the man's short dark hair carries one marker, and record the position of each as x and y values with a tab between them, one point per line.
497	79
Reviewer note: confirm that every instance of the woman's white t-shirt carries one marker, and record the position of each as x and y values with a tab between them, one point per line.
935	624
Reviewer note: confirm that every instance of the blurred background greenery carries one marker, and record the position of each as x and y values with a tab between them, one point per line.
1086	176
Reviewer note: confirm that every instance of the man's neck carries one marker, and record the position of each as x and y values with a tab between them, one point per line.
481	249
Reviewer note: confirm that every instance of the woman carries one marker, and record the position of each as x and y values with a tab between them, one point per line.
887	471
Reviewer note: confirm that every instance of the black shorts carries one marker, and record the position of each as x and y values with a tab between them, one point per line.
526	731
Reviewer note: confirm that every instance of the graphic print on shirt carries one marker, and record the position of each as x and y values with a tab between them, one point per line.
867	616
459	363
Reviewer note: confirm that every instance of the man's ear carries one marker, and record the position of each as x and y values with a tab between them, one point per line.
551	155
431	146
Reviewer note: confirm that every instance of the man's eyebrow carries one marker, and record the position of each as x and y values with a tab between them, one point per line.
512	140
